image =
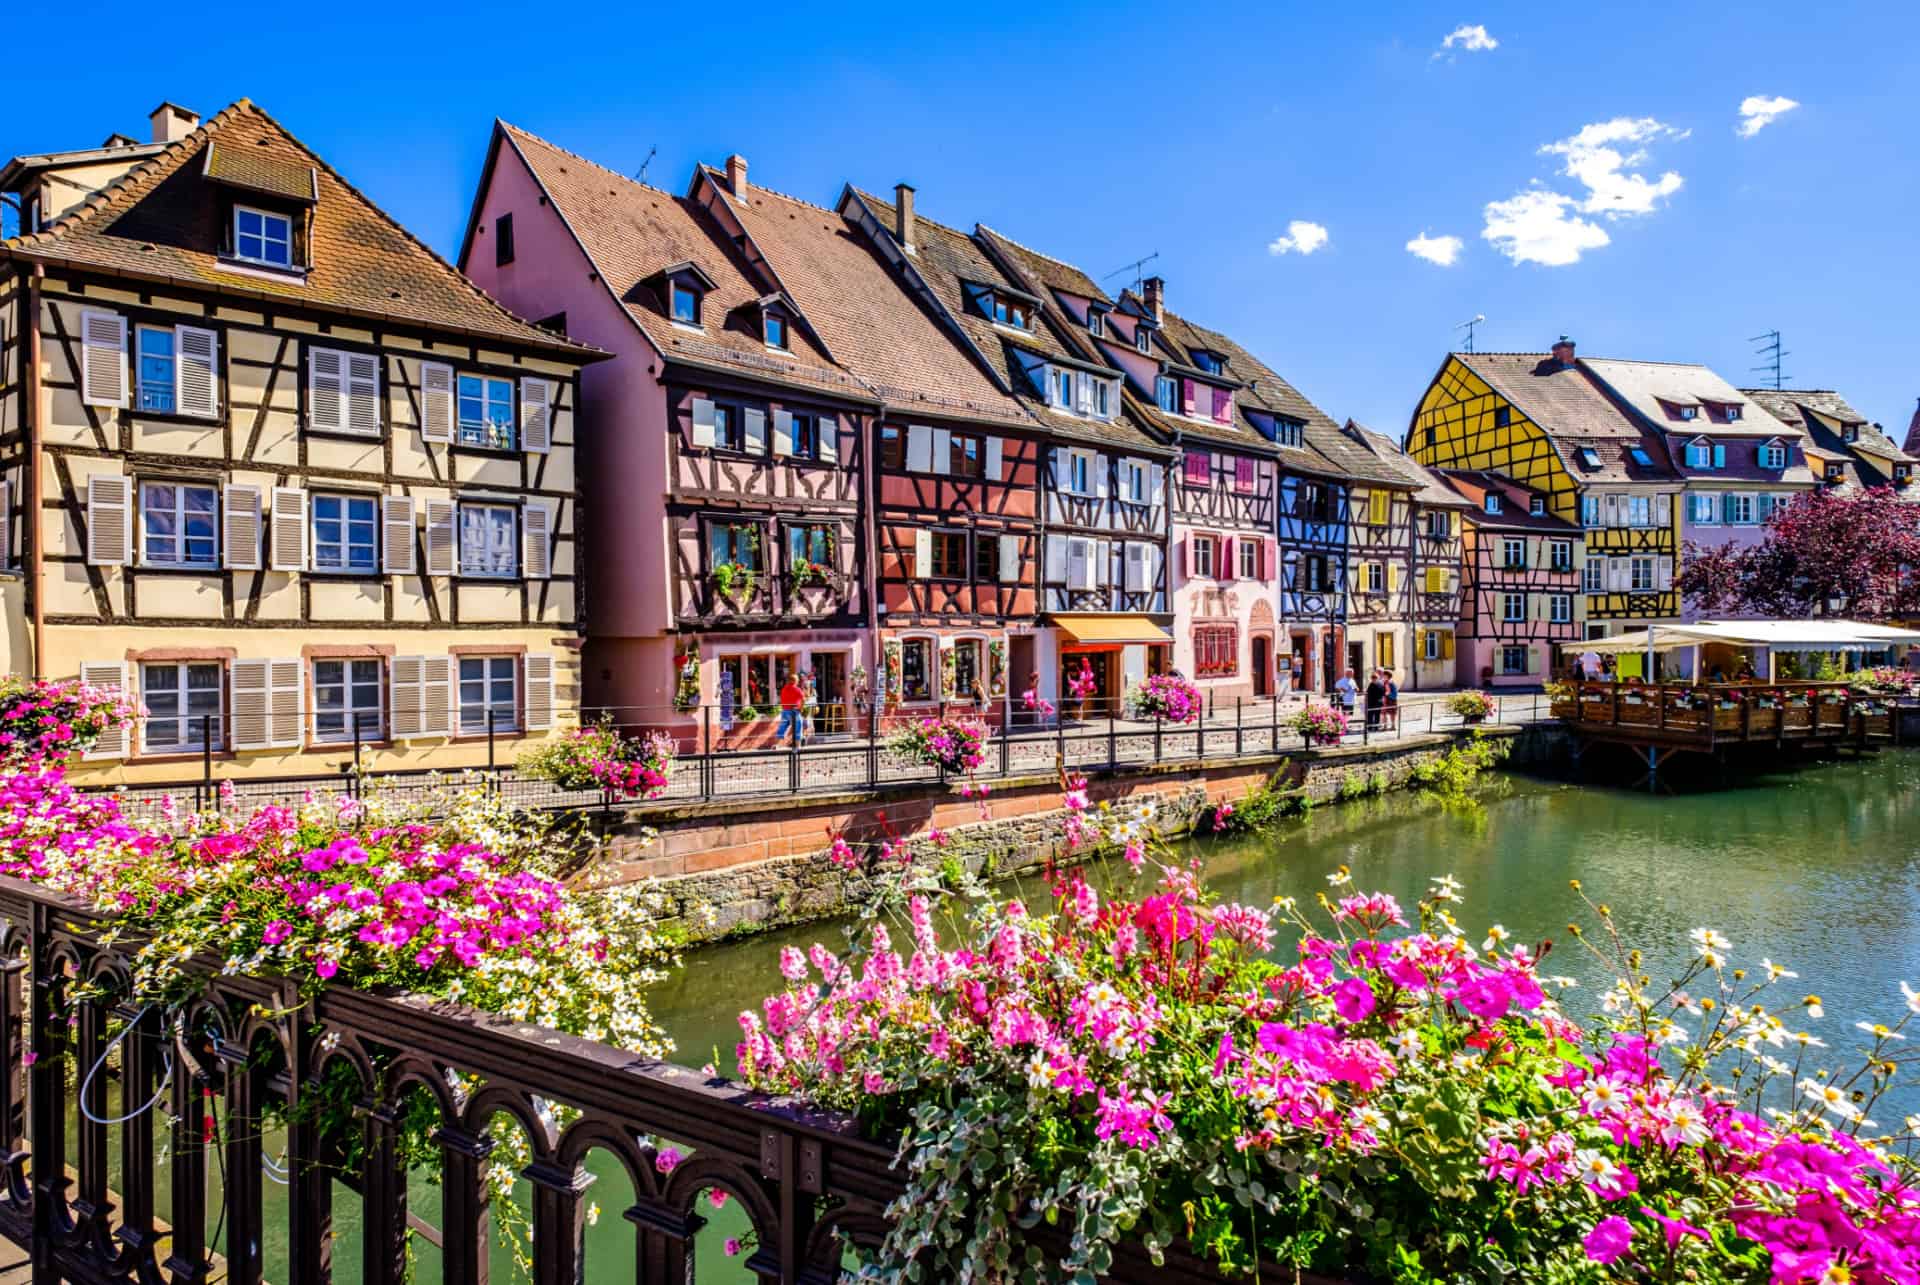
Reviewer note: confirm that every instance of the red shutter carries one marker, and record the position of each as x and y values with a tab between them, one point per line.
1186	559
1222	406
1227	567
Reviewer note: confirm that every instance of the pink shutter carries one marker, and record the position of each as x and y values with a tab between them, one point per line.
1270	559
1222	406
1188	392
1242	473
1186	559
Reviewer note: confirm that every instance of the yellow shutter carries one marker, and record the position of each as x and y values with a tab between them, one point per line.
1446	645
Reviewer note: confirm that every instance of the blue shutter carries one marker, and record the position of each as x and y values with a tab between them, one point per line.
1719	455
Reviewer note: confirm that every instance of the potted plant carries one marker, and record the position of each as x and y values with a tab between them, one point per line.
1081	686
953	744
1164	696
599	757
733	579
1319	724
1471	706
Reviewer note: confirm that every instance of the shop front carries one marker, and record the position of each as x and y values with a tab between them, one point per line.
1101	656
741	679
961	671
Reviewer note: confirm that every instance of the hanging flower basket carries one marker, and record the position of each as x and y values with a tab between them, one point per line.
1166	697
1320	724
954	744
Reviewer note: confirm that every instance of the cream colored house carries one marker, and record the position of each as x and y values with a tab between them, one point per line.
275	468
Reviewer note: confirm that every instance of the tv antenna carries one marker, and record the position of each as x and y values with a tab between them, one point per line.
1468	325
1134	267
1771	354
652	151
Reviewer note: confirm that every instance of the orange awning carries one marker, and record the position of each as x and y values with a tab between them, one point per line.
1112	629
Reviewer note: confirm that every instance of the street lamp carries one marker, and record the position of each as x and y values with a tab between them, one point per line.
1836	604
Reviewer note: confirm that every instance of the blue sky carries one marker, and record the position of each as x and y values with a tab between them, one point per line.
1103	133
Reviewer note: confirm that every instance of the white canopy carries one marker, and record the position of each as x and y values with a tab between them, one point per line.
1778	635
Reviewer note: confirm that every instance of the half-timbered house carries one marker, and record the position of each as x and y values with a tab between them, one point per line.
1845	452
1379	572
1102	576
1544	420
725	437
273	467
1523	603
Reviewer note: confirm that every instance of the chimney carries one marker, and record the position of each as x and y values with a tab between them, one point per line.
172	123
903	215
1150	292
1563	351
737	177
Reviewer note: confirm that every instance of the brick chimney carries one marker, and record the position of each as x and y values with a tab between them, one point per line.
903	228
1563	351
737	177
1151	292
171	122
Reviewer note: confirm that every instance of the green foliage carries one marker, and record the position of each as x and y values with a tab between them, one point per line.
1454	775
1266	806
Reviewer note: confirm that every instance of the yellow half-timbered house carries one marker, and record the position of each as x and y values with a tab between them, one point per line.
1544	420
273	467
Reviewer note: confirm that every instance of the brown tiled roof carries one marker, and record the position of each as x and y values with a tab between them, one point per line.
157	223
631	233
253	168
1429	489
1516	510
1868	462
875	328
1574	412
1044	269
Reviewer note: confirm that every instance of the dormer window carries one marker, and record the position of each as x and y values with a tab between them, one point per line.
1589	458
1773	456
998	308
1096	323
1287	432
1640	456
1142	338
686	304
1537	506
1733	413
262	237
1687	412
1492	502
1835	472
1902	474
1851	433
1166	393
774	328
1208	361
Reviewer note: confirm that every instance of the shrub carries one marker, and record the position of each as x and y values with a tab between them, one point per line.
956	744
1471	704
1320	724
1167	697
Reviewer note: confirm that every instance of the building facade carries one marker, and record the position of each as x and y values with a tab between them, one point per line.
1844	451
1523	604
275	469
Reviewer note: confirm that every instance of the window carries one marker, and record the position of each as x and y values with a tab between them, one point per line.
486	412
1642	574
1773	456
343	533
806	436
487	544
1166	393
1096	323
1589	458
156	369
1134	486
967	668
965	455
733	543
1513	553
986	557
177	525
1851	433
1562	554
1594	578
686	304
1439	525
1196	469
503	241
1080	472
916	670
1589	510
950	555
809	544
1734	413
1492	504
893	446
1383	650
1640	456
1063	389
346	697
1142	338
260	237
1700	508
489	690
1102	395
183	707
729	429
1316	568
1513	660
757	679
773	328
1207	361
1537	505
1216	651
1288	432
1639	510
1374	577
1738	509
1431	648
1203	551
1560	608
1835	472
1689	412
1248	552
1699	455
1502	416
1513	607
1316	502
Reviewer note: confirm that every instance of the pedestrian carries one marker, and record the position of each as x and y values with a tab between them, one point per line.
1393	699
1347	690
1376	699
791	699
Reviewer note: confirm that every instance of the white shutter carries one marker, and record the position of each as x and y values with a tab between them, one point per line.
922	554
109	520
396	535
436	402
1057	559
1663	574
536	415
405	700
1097	465
1663	509
537	671
942	451
252	704
287	727
702	422
536	533
240	514
1100	561
436	695
1136	566
110	675
919	448
1009	559
1156	479
363	393
1082	393
440	537
783	432
326	389
1610	507
756	431
991	470
103	358
829	439
196	371
1077	563
289	529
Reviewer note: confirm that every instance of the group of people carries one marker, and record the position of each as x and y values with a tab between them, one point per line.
1381	697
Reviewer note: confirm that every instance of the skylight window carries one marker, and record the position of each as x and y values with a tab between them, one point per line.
1640	456
1208	361
1589	458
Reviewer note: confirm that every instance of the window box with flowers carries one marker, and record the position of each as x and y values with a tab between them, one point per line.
1472	707
1319	724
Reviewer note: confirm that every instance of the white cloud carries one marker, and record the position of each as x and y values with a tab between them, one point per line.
1541	226
1473	39
1302	238
1442	250
1757	112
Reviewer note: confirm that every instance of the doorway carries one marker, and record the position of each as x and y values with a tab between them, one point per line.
829	693
1100	664
1302	660
1357	658
1262	666
1021	675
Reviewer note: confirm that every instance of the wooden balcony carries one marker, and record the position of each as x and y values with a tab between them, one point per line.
1710	716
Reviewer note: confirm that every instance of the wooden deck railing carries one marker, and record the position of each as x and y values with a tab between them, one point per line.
1709	715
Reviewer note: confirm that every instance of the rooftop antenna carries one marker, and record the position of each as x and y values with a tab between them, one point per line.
652	151
1469	325
1135	268
1770	353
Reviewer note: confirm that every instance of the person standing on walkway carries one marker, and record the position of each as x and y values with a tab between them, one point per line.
1376	700
1347	691
1393	699
791	699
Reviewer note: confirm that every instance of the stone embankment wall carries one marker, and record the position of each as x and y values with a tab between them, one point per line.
729	868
